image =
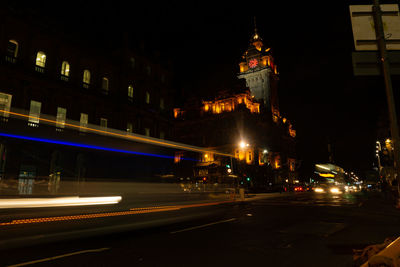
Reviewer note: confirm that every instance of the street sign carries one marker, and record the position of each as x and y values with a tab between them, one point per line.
363	25
367	63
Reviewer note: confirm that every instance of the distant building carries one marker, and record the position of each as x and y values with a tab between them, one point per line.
243	122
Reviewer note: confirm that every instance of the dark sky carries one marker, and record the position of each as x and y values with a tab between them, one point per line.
312	46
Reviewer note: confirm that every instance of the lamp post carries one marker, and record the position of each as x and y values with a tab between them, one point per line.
380	37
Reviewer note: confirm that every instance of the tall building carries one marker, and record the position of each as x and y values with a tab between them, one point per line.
244	124
259	70
56	85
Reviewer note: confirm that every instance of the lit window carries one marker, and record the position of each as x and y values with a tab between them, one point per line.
65	68
129	127
161	103
147	131
83	122
5	104
86	78
104	84
34	113
103	122
130	91
162	135
12	51
147	98
61	116
249	158
41	59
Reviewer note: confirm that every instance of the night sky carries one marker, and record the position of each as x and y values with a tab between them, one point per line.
312	46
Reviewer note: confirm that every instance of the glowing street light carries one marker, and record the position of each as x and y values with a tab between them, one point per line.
243	144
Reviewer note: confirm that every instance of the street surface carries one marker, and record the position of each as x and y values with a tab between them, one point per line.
288	229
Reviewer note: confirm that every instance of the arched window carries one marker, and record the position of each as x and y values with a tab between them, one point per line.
41	59
104	85
65	68
86	78
130	92
12	51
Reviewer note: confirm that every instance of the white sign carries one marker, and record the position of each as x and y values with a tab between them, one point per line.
363	25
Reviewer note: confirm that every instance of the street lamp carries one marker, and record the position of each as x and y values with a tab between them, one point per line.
242	144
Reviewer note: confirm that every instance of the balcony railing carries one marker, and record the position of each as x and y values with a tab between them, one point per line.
39	69
11	59
64	78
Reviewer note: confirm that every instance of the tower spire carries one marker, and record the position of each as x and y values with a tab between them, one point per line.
255	37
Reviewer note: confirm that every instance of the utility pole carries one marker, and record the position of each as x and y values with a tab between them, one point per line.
377	13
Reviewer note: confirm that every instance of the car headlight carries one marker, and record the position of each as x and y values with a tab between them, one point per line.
319	190
335	190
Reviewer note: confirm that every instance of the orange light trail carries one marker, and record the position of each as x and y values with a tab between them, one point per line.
133	137
110	214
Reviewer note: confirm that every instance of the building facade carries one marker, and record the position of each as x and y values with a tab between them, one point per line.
73	80
259	70
244	123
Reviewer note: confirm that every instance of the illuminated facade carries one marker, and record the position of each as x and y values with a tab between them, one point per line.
261	148
245	123
230	104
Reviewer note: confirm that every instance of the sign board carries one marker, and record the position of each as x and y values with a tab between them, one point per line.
363	25
367	63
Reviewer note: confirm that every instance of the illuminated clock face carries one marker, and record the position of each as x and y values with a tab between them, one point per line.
253	63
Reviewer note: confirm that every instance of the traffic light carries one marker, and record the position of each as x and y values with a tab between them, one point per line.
204	180
248	179
228	168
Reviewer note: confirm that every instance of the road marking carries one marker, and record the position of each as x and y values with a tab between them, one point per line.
202	226
58	257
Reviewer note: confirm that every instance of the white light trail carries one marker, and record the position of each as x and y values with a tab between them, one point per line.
13	203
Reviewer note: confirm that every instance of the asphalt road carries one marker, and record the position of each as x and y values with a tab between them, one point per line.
289	229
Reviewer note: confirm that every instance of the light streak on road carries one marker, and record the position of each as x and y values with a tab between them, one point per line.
82	216
14	203
132	211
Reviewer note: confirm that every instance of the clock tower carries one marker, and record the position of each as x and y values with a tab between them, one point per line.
259	70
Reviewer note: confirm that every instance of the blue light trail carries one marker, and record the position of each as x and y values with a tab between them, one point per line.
66	143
